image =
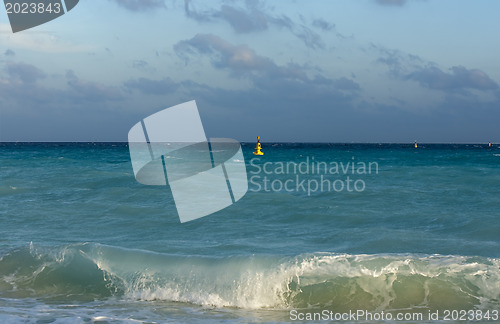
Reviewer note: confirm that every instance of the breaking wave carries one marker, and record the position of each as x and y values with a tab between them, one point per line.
318	280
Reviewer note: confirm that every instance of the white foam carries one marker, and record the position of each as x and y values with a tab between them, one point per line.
320	279
255	283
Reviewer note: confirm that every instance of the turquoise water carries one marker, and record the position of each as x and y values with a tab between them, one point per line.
82	241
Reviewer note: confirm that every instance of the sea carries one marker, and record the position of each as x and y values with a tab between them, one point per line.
344	233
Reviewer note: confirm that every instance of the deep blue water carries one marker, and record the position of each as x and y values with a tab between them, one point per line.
323	227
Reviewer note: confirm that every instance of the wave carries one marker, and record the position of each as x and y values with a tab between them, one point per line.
318	280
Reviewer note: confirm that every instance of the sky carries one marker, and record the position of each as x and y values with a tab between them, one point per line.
364	71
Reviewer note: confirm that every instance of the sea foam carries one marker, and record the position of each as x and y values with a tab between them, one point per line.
316	281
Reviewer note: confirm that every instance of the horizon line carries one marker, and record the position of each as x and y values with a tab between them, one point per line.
245	142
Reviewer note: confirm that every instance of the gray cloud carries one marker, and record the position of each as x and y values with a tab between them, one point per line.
279	108
253	17
428	75
293	110
243	21
323	24
460	78
344	83
9	52
91	91
21	91
140	5
25	73
37	111
309	37
301	109
240	60
397	62
272	84
195	14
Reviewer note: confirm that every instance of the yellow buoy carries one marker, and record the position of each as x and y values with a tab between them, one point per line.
416	144
258	148
489	144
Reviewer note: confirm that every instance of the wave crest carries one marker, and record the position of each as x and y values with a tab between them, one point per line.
339	282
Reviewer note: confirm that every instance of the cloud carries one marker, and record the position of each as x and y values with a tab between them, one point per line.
253	17
243	21
296	106
460	78
397	62
37	107
20	89
9	52
274	90
344	83
91	91
140	5
249	18
24	73
292	85
323	24
240	59
429	75
195	14
308	36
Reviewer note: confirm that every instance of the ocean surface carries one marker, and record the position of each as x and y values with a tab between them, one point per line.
330	228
